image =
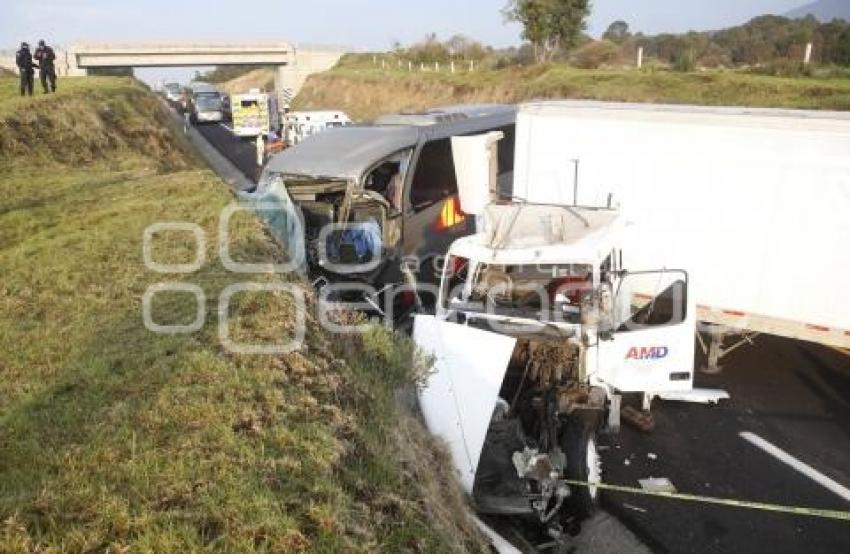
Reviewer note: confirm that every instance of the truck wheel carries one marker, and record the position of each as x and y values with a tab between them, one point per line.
584	465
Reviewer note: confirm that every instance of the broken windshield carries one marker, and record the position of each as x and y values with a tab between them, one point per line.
306	187
542	292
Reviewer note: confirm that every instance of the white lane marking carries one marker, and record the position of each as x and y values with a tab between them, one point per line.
796	464
229	130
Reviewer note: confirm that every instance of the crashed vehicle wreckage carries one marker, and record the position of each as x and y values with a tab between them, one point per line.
538	328
539	331
373	208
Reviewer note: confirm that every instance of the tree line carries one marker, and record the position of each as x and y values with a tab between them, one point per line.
554	30
762	40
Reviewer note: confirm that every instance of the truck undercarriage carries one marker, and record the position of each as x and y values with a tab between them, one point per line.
541	433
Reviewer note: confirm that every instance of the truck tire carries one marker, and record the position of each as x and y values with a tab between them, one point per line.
584	465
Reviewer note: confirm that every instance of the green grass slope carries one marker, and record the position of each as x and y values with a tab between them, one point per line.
365	91
113	438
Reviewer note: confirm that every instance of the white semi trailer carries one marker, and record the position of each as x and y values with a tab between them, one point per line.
754	202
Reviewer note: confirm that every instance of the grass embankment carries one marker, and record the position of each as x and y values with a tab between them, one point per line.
365	91
262	79
115	438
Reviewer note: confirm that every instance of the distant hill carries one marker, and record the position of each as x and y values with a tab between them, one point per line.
823	10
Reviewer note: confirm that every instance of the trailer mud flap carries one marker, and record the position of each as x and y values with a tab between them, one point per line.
459	396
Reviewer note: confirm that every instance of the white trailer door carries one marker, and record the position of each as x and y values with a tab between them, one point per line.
652	348
459	397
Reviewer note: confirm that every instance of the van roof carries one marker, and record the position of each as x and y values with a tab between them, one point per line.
445	114
346	152
342	153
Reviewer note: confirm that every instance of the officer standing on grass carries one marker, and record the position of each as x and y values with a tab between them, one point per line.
23	58
45	56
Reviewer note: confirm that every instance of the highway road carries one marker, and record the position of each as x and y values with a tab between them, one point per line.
241	152
791	394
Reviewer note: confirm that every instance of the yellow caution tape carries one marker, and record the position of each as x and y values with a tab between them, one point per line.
796	510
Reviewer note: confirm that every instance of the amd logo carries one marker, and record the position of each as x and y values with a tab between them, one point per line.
647	353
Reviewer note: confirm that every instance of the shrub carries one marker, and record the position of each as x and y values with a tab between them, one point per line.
714	57
594	54
685	61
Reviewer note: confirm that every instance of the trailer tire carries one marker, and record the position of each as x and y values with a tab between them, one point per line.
584	465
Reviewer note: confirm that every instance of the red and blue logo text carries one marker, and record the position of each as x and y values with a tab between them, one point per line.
647	353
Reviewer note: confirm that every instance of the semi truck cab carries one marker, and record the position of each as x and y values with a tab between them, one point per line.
540	330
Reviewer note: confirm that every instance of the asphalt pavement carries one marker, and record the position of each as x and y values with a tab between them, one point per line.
795	396
241	152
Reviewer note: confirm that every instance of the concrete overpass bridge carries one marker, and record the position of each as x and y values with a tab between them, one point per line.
294	63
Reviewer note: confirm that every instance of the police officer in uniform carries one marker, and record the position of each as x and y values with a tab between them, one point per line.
23	58
45	57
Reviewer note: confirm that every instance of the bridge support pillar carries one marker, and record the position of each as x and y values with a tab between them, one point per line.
291	77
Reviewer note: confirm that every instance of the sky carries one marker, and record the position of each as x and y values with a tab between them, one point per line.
354	24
